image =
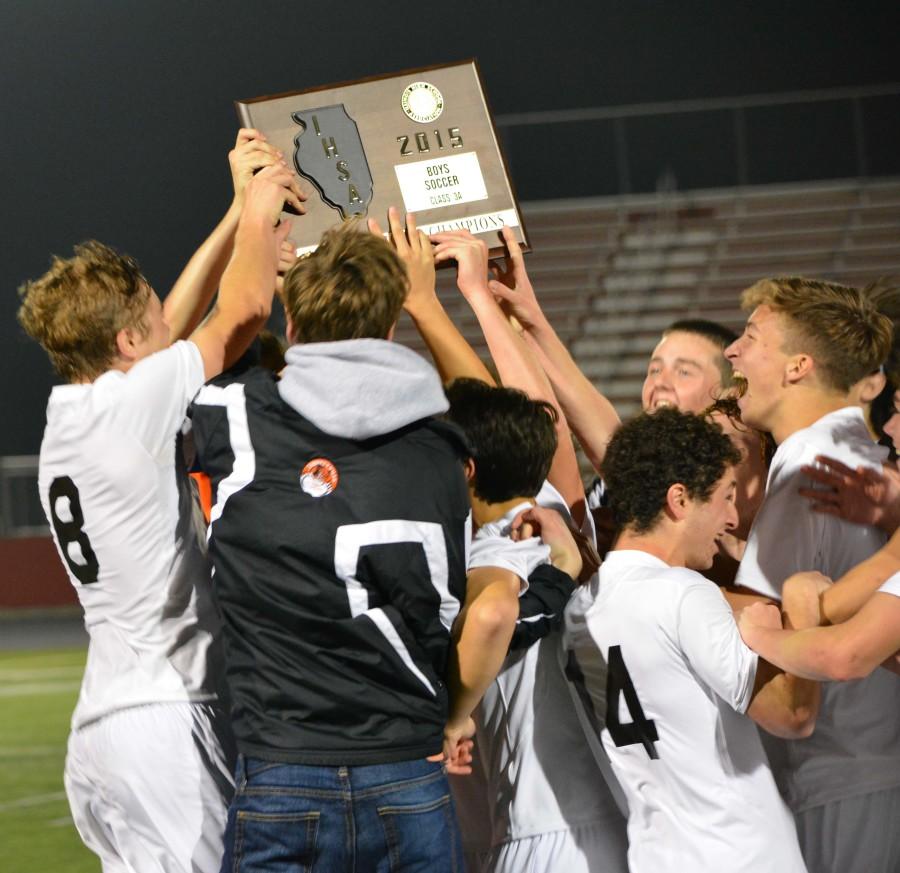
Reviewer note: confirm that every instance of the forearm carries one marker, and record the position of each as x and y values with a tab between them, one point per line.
804	653
452	354
245	295
516	365
848	595
193	291
481	640
592	418
519	368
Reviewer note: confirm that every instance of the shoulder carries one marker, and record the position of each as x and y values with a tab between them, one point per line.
494	550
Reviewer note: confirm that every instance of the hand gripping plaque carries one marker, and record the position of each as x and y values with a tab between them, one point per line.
330	153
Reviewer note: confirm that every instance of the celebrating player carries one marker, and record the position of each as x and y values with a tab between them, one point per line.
806	344
147	771
656	656
338	538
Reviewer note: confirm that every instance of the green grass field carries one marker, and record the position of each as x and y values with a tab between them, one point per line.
37	694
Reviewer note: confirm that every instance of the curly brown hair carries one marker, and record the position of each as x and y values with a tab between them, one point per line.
652	452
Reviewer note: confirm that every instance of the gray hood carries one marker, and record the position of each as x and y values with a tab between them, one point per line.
360	388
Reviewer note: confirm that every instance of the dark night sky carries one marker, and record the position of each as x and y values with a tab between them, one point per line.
118	114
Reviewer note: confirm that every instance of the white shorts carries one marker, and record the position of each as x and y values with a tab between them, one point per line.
592	848
149	787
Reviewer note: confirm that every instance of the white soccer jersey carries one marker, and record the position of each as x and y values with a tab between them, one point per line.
538	772
114	487
787	535
662	662
855	748
891	585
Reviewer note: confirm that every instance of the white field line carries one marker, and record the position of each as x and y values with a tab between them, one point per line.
32	688
33	800
16	674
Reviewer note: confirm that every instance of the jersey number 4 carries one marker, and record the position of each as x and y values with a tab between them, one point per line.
70	531
640	729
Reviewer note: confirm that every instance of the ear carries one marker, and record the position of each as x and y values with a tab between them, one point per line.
869	387
469	470
289	329
798	367
126	343
677	501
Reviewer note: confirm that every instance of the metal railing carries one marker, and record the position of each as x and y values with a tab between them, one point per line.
21	514
851	145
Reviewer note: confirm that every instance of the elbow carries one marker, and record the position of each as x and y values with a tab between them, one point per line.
792	724
495	618
844	664
801	723
260	309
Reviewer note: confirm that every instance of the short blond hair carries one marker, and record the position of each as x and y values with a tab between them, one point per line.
352	286
76	309
837	325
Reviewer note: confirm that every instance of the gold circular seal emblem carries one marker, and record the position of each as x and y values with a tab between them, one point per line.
422	102
319	477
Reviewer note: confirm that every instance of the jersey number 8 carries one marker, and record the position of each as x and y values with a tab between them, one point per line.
70	532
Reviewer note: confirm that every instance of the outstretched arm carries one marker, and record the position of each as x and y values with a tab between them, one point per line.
841	601
842	652
517	365
190	297
452	355
248	285
591	416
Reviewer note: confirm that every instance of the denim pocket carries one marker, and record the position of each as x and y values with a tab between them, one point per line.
274	841
421	836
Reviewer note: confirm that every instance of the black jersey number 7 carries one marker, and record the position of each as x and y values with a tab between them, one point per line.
640	729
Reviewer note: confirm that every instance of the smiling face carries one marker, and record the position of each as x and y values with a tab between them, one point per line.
683	372
759	359
707	522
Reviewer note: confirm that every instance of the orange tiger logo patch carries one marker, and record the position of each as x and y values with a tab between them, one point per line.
319	477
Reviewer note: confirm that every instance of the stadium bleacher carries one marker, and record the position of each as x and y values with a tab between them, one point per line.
612	272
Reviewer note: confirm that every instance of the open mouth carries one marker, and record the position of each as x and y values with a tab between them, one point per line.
740	383
661	403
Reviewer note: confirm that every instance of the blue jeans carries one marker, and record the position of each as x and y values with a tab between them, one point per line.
384	818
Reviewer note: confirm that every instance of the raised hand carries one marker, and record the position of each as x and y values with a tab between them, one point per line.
287	257
268	191
252	153
511	285
415	250
471	256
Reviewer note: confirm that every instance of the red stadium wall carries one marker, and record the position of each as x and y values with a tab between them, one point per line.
32	575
